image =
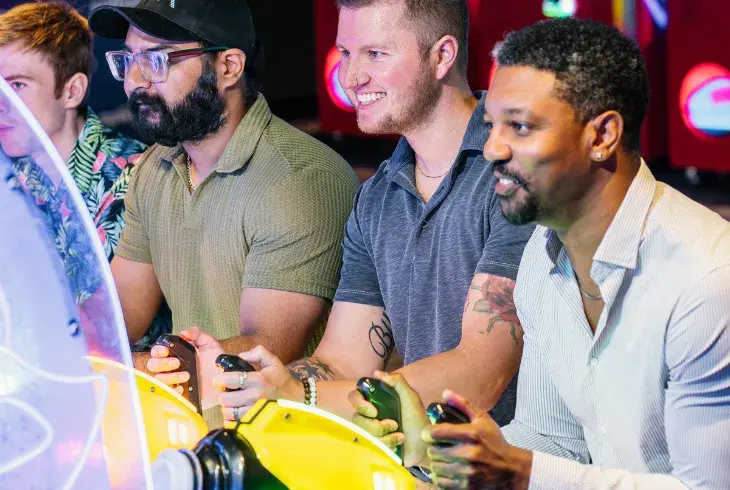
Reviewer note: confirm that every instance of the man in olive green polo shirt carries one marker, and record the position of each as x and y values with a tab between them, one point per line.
235	217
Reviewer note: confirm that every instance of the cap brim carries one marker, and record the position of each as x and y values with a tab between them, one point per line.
113	22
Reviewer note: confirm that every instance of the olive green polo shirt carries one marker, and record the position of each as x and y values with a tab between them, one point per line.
271	215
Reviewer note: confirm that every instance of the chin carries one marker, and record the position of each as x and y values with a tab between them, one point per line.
520	212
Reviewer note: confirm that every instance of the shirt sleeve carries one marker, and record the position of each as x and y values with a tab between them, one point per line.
697	404
134	243
297	238
542	420
359	278
504	245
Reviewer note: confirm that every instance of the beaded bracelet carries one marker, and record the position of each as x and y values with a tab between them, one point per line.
310	391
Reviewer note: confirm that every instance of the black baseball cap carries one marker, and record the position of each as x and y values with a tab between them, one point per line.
221	22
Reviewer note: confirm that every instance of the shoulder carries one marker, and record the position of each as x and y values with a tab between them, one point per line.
298	152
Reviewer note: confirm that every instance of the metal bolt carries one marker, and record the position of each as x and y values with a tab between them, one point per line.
172	345
356	440
190	388
152	389
287	416
73	327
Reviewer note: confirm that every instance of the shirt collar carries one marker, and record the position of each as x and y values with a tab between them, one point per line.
243	143
474	138
620	244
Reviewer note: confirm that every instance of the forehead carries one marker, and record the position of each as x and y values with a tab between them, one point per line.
138	40
374	24
17	60
522	88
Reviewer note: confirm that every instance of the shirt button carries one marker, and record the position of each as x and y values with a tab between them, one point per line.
594	362
603	430
424	224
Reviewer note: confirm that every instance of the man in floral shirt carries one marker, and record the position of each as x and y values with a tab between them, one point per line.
46	57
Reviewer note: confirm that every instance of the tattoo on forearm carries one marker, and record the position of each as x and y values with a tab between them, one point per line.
497	301
311	367
381	338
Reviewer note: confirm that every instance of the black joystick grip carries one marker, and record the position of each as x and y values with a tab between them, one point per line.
385	400
443	413
185	352
228	362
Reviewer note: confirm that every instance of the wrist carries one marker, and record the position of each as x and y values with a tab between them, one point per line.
293	390
522	467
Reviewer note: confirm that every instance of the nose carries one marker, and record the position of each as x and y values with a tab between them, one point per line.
133	80
351	74
495	148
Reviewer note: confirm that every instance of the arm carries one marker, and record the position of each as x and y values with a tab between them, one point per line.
697	404
488	356
139	293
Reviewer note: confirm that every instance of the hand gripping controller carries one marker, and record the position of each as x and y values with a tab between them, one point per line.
385	400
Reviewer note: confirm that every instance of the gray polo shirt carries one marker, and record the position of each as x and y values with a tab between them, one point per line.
417	259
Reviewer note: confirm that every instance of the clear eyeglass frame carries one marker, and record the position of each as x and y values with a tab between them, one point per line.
153	65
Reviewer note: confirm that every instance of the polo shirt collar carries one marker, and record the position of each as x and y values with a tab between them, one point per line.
242	145
474	138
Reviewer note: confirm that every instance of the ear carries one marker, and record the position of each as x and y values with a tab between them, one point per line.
74	91
445	51
230	65
606	132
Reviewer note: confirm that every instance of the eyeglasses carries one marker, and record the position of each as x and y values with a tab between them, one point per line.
153	65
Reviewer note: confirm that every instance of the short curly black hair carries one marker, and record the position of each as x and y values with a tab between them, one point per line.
597	68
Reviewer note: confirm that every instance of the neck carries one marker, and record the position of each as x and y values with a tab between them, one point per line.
596	212
204	155
65	139
437	143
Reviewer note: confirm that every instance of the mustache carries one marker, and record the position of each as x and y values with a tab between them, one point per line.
138	99
501	168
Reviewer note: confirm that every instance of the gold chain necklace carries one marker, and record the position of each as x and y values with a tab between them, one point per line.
418	167
189	175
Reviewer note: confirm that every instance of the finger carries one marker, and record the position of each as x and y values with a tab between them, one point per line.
467	433
191	334
461	403
159	351
180	390
454	471
393	440
361	405
163	365
238	398
173	378
464	454
229	414
378	428
401	386
232	380
448	483
261	356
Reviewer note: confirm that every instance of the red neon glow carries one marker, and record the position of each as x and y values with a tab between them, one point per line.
704	101
334	89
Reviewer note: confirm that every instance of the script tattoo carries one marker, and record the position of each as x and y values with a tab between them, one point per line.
311	367
497	301
381	338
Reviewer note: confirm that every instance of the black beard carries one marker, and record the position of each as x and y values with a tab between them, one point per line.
201	113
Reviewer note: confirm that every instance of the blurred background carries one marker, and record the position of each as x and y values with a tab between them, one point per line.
686	138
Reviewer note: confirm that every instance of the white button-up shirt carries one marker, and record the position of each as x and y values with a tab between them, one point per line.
644	403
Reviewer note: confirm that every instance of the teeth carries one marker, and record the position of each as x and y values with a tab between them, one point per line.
365	99
506	181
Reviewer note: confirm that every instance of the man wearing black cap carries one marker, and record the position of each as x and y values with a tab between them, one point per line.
235	216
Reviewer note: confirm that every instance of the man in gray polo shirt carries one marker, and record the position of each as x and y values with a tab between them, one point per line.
426	242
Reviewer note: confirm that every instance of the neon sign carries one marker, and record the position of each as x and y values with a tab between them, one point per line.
558	8
334	89
704	100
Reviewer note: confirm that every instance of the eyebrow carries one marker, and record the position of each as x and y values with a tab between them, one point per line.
17	76
156	47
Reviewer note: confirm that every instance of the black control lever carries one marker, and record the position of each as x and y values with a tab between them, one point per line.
443	413
185	352
385	400
228	362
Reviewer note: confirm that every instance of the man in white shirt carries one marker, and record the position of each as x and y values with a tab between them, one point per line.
623	291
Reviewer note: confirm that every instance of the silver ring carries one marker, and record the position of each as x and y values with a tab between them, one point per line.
235	413
242	375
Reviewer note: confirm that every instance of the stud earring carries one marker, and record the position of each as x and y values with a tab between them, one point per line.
599	156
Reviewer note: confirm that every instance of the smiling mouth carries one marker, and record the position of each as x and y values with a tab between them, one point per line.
506	186
367	99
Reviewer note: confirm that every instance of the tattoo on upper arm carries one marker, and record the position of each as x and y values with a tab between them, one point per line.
497	301
311	367
381	338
